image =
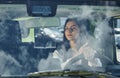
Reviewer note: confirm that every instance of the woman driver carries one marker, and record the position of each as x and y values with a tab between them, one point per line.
75	50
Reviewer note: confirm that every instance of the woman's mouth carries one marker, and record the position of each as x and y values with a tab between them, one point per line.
69	35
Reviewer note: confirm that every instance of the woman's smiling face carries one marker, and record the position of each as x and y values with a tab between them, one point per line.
71	30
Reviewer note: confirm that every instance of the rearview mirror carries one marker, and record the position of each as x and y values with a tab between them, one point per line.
41	8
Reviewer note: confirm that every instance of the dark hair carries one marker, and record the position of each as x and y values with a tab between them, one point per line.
83	25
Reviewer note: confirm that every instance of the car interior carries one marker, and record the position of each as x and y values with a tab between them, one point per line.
31	30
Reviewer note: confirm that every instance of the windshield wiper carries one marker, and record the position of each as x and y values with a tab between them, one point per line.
62	74
81	74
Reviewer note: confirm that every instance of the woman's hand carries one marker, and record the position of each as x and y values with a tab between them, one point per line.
87	51
57	55
89	54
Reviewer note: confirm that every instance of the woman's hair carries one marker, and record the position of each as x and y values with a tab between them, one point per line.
83	25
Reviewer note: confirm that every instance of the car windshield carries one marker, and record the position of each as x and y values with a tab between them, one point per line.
26	43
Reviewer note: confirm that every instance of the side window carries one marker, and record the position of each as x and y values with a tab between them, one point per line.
117	37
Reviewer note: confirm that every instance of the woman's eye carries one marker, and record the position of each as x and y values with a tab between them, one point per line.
73	28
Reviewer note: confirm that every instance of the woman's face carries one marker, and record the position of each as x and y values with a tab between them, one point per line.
71	30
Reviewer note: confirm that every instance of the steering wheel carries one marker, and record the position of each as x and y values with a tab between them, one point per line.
71	65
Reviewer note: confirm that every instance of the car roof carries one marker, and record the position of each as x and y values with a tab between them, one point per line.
72	2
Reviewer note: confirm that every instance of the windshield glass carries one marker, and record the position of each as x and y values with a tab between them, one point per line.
32	44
